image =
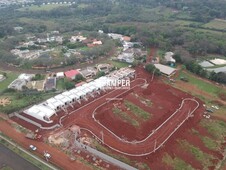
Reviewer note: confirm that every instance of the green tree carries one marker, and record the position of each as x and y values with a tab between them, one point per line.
79	78
68	84
151	68
100	74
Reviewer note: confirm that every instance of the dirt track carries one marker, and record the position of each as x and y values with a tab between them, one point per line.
83	118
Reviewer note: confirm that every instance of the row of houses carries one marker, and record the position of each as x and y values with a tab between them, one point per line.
128	53
87	73
22	50
45	110
25	81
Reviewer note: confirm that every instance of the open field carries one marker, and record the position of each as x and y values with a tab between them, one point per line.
148	117
51	24
125	117
119	64
216	24
203	158
10	77
19	101
200	84
43	7
176	163
184	22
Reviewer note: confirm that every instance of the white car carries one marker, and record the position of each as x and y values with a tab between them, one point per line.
32	147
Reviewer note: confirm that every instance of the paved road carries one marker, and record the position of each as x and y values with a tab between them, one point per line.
28	153
14	161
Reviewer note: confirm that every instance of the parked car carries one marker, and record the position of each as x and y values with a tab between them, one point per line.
32	147
209	110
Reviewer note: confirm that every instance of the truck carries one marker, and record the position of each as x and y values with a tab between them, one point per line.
33	136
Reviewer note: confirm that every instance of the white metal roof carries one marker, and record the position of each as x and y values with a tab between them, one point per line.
165	69
39	112
101	82
70	95
47	108
87	88
54	103
78	91
93	86
60	74
63	98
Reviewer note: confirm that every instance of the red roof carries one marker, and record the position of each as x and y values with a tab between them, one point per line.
71	73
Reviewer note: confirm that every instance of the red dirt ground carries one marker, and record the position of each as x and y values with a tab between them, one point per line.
161	109
152	54
58	157
83	118
161	95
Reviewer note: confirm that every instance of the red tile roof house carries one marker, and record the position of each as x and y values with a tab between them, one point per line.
71	74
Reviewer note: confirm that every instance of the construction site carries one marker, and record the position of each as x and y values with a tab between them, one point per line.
135	122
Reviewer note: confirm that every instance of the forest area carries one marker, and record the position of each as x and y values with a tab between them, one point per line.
181	26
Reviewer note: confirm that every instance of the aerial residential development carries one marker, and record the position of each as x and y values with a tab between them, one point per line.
109	85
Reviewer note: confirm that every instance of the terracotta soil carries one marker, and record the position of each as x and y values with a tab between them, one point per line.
151	55
160	110
165	100
58	157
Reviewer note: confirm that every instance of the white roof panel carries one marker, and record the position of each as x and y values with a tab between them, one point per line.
39	112
62	98
165	69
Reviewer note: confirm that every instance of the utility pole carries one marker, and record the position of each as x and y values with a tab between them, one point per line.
155	145
153	75
102	136
189	112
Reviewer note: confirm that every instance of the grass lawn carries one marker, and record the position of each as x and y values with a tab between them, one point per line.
202	157
162	11
183	15
145	101
6	168
137	111
217	128
119	64
60	84
217	24
42	7
185	22
176	163
51	24
210	143
19	101
83	5
10	77
199	83
204	30
124	116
